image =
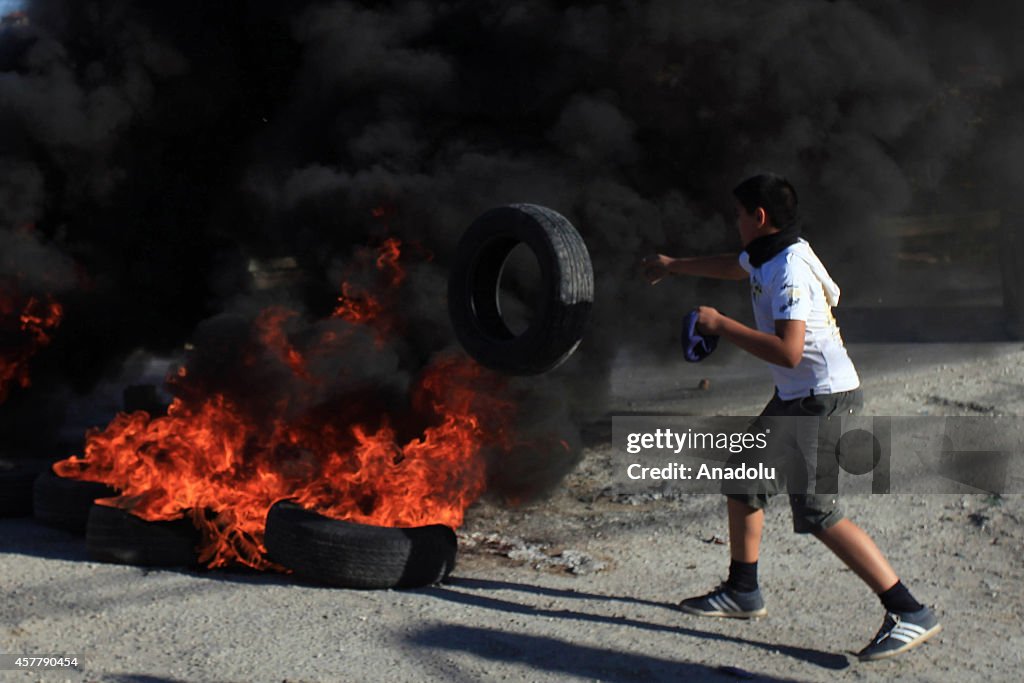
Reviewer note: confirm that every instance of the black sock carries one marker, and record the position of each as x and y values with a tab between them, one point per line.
742	576
899	599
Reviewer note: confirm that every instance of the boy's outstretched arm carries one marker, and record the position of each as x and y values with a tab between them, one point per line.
785	347
721	266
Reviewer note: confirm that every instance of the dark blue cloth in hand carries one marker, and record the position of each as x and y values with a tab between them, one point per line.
696	346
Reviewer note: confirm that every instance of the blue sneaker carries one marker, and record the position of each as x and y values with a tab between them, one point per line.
725	602
900	632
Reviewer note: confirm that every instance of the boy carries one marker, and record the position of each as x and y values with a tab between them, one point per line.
792	295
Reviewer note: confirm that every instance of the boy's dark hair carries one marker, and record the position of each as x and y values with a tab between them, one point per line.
771	192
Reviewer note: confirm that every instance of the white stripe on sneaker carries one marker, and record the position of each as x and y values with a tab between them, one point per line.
911	627
905	632
730	603
715	603
902	637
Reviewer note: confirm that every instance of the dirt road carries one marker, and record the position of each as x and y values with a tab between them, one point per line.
581	586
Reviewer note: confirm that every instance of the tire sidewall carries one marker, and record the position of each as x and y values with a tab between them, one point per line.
487	242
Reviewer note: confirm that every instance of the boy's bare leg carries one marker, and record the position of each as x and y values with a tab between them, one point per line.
745	527
738	596
913	624
856	549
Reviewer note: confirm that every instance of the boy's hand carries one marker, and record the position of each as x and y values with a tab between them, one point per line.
709	320
655	267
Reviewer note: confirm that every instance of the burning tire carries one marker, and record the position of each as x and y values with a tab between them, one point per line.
352	555
117	536
65	503
16	488
567	289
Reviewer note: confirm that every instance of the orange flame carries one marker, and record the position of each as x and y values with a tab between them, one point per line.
357	305
270	324
224	470
210	461
387	261
26	326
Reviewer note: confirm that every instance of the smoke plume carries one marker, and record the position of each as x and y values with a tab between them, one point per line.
158	150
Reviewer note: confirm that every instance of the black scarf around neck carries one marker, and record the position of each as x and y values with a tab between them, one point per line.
763	248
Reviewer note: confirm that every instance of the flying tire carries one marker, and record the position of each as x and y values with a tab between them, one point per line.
567	289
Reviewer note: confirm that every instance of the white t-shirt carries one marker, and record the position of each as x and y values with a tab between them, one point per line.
794	285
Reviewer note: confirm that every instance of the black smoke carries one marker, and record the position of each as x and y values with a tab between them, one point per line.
157	149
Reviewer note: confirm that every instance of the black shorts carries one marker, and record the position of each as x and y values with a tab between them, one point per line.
794	455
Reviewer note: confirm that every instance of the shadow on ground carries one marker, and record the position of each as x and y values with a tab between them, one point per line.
826	660
562	658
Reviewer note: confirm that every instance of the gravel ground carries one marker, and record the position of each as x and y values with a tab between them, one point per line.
581	586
